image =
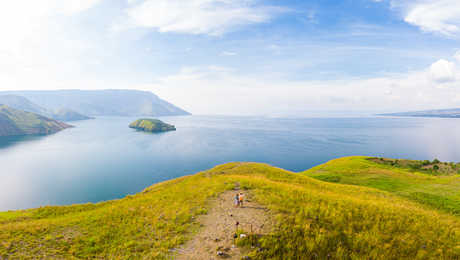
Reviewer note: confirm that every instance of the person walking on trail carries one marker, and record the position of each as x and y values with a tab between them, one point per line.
237	200
241	199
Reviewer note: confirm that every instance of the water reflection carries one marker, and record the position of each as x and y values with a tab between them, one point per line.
103	159
9	141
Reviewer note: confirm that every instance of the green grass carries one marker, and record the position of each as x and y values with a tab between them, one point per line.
314	219
437	191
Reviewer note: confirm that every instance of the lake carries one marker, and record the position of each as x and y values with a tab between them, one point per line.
103	159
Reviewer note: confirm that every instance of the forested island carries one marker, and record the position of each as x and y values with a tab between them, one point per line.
151	125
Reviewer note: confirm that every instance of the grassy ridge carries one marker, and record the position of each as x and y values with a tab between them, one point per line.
438	191
315	219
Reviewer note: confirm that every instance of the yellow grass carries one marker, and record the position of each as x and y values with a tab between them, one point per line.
315	220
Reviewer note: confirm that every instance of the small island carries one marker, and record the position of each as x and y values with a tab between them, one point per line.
152	126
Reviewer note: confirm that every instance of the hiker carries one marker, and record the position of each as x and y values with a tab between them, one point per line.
237	200
241	198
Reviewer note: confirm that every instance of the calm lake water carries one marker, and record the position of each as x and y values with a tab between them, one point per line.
103	159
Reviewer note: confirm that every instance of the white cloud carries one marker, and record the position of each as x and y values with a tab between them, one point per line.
440	16
442	71
213	17
35	44
457	56
70	7
43	42
225	91
27	25
228	53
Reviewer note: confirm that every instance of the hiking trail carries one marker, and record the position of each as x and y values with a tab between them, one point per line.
218	227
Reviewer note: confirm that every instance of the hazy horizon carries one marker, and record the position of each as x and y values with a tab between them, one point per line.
241	57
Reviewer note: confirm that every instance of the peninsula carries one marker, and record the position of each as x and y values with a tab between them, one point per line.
442	113
17	122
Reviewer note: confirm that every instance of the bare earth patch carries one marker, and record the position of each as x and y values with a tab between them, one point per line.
218	228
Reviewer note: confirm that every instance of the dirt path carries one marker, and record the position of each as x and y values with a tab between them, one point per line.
218	228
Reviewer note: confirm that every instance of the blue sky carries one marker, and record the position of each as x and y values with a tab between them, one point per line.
244	57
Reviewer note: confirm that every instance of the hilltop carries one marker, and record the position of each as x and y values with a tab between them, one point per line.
102	102
310	218
18	122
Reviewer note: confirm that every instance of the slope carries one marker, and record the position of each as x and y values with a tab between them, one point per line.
18	122
313	220
436	190
22	103
103	102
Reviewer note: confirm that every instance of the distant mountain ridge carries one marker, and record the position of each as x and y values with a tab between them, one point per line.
68	115
22	103
15	122
102	102
443	113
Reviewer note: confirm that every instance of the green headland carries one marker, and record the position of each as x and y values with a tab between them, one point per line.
348	208
17	122
151	125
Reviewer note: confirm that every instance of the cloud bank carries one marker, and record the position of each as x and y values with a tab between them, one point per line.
439	16
55	44
226	91
212	17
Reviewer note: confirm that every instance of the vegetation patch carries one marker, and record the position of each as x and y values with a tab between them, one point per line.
434	167
407	178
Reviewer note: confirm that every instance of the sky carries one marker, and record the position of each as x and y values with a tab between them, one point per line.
241	57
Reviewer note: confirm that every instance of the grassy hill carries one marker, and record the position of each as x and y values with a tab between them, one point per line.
314	219
434	184
18	122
